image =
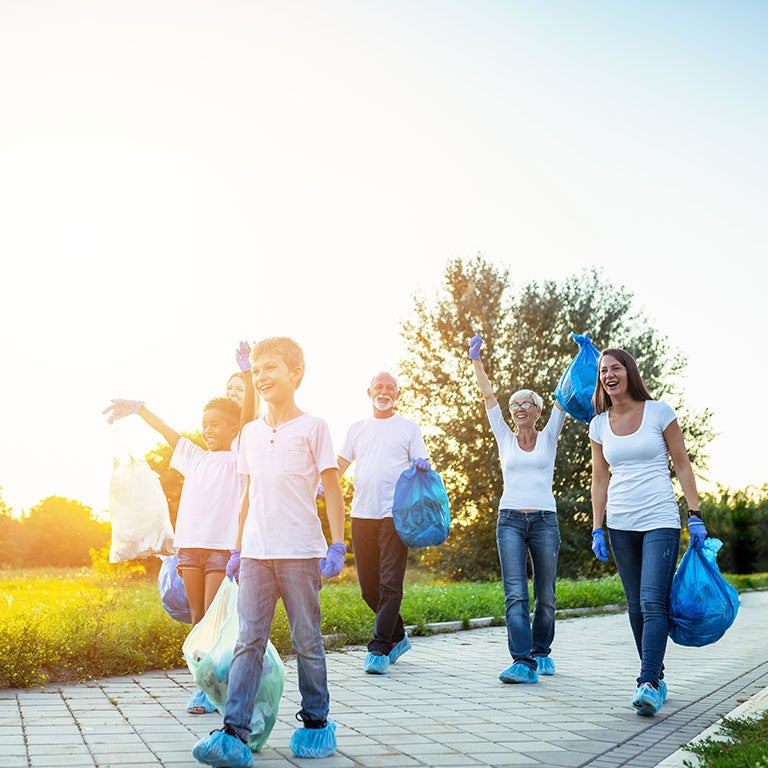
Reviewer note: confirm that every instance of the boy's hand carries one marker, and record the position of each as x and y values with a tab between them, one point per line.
243	356
422	465
474	347
233	565
333	563
122	408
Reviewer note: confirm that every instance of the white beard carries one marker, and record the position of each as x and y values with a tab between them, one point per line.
383	403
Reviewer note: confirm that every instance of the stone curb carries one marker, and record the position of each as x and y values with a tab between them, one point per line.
437	627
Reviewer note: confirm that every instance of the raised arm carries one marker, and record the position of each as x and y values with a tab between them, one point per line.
251	401
482	377
119	409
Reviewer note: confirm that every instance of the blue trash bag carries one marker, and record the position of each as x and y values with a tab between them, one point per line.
173	594
208	651
702	604
420	510
576	387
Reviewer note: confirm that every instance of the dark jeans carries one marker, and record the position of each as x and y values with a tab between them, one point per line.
380	559
646	562
517	535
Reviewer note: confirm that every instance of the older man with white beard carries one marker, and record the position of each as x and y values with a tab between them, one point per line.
383	446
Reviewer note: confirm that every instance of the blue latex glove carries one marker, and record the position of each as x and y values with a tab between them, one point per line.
333	563
474	347
122	408
233	565
697	531
422	465
598	545
243	356
320	491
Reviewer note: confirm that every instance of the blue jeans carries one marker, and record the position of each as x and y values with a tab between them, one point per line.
262	582
517	535
646	562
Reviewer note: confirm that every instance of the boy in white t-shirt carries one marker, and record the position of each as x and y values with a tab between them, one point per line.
206	524
382	447
281	553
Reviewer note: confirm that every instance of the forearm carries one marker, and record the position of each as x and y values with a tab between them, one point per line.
171	435
485	384
599	495
334	504
244	506
688	484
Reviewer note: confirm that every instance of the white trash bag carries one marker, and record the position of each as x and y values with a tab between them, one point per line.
141	521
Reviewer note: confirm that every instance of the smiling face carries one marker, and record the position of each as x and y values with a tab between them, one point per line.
613	376
235	389
273	379
219	429
383	393
525	408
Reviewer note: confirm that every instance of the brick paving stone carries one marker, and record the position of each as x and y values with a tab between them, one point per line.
441	706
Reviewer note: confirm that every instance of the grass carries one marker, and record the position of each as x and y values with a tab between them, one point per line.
741	743
67	625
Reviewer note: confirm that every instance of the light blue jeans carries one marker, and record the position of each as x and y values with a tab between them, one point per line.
262	582
517	535
646	562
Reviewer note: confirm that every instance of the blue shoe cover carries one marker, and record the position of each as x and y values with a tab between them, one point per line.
519	673
375	665
663	690
222	750
647	700
199	700
314	742
399	649
544	665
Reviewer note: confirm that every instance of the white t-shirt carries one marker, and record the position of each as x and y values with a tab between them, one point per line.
284	464
640	493
382	450
209	507
527	474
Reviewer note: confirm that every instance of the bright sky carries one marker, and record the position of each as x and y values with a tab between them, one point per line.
177	175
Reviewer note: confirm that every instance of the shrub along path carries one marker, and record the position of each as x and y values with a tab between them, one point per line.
441	705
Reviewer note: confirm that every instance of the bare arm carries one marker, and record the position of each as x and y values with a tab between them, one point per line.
244	506
343	464
334	503
599	491
485	385
171	435
251	401
673	436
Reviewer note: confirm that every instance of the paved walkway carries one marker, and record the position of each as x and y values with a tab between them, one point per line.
441	705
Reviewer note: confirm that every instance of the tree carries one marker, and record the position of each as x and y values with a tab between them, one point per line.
527	345
11	553
60	532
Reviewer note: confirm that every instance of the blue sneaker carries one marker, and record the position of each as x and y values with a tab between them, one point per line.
314	742
223	750
519	673
544	665
647	700
375	665
200	704
399	649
